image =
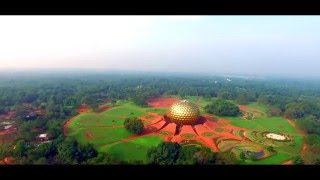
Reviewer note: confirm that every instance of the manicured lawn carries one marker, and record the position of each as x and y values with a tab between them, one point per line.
133	150
157	110
235	118
204	102
149	141
127	109
192	98
247	124
94	119
274	123
101	136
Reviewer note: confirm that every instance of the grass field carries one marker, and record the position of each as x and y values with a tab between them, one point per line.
135	149
248	124
191	98
157	110
127	109
94	119
101	136
203	102
257	106
274	123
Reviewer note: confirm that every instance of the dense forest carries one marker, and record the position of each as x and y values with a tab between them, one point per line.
58	95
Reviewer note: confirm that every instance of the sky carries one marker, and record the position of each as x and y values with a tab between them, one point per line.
284	45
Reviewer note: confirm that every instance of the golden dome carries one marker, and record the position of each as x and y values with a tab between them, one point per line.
184	113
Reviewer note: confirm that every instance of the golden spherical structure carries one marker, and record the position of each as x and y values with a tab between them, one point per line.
183	113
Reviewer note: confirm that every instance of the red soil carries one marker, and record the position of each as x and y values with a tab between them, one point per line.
8	131
200	129
153	117
304	147
88	135
171	128
209	142
290	122
187	129
177	139
243	108
8	138
230	127
7	116
223	121
65	125
162	102
210	125
167	139
281	127
83	109
207	117
199	99
7	161
290	162
154	127
229	135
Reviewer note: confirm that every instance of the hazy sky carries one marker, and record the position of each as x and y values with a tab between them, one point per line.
217	44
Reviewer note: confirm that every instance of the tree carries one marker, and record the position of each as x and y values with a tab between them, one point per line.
186	155
4	150
85	152
71	152
242	155
133	125
274	111
298	160
204	156
225	158
270	149
54	129
41	161
20	149
102	159
164	154
222	108
67	151
140	100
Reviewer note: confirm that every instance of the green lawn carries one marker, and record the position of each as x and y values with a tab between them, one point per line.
248	124
148	141
101	136
204	102
127	109
274	123
233	118
192	98
255	106
157	110
133	150
94	119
